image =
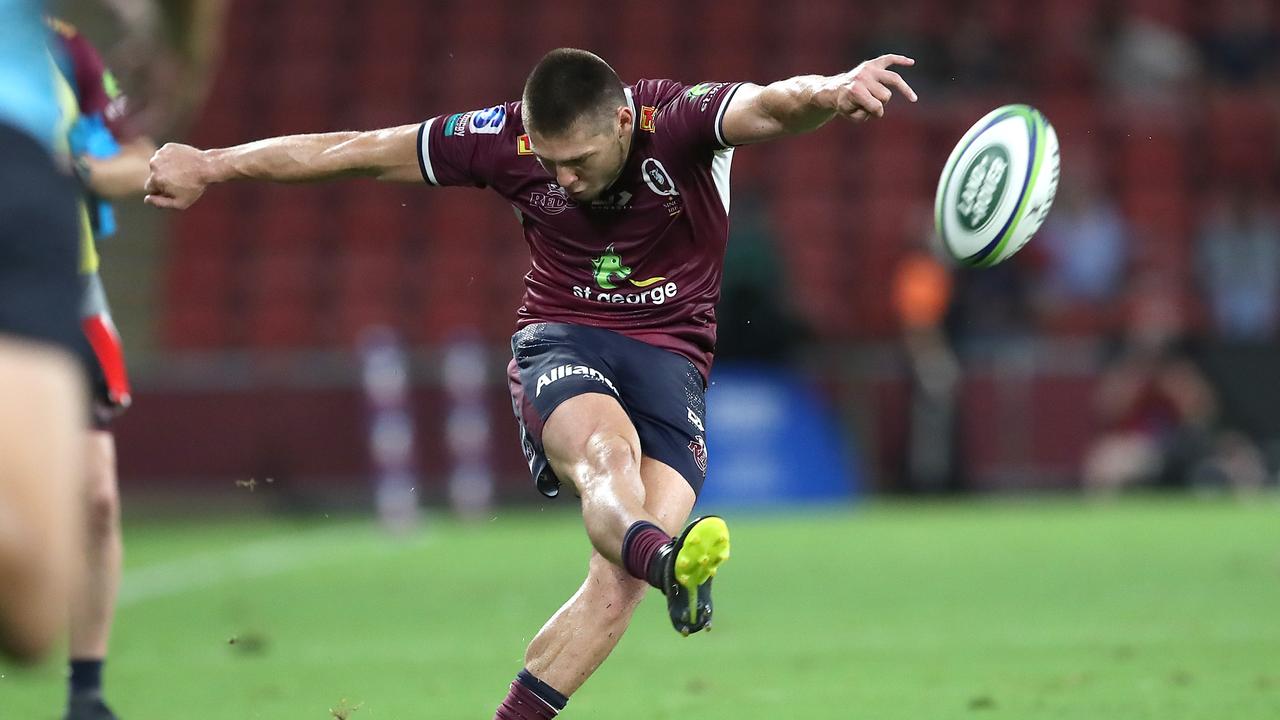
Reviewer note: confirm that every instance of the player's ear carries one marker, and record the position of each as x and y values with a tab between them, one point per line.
625	119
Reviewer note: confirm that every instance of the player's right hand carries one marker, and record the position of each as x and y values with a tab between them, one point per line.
863	92
177	178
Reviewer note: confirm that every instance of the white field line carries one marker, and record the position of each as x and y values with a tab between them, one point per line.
254	560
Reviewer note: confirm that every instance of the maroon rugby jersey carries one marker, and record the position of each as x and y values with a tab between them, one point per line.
646	258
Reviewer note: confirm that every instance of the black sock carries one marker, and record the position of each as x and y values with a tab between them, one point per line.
86	676
548	694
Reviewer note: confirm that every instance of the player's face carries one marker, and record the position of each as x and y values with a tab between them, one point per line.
586	160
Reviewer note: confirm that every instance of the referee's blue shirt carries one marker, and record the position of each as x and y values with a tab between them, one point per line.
27	100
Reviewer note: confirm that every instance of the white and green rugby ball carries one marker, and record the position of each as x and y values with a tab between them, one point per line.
997	186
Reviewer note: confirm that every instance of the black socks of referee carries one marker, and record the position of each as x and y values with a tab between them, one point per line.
86	677
530	699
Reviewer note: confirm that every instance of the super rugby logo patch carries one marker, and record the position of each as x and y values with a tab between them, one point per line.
489	121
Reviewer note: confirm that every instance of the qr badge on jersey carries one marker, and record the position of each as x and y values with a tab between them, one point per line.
657	177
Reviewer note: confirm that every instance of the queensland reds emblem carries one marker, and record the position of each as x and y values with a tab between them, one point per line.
657	178
553	202
698	447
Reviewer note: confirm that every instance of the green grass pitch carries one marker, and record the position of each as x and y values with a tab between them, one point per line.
1154	608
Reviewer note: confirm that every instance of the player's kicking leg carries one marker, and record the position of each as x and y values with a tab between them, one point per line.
637	481
629	505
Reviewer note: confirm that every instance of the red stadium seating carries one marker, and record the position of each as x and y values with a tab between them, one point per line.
314	264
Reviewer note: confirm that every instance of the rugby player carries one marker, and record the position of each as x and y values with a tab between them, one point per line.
622	192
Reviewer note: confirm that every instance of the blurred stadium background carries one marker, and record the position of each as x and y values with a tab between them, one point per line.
1133	344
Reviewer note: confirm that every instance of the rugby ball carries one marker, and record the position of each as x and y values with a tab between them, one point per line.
998	185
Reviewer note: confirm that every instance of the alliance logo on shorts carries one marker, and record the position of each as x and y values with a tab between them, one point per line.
563	371
698	447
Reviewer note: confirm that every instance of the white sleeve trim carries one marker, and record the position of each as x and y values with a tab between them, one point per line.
424	152
724	105
720	167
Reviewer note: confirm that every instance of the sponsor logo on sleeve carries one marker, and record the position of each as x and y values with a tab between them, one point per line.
706	91
456	125
648	118
700	89
489	121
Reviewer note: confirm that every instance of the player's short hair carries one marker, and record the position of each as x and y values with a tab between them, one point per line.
567	85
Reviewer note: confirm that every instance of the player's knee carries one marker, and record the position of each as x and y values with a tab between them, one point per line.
102	511
608	450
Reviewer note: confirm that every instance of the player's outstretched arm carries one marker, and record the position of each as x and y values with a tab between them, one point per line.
806	102
180	173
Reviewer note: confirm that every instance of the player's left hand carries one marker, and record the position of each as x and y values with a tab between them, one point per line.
864	91
177	177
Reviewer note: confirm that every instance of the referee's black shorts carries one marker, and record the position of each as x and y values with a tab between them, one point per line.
40	290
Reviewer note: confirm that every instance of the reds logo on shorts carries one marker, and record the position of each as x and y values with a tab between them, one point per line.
698	447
